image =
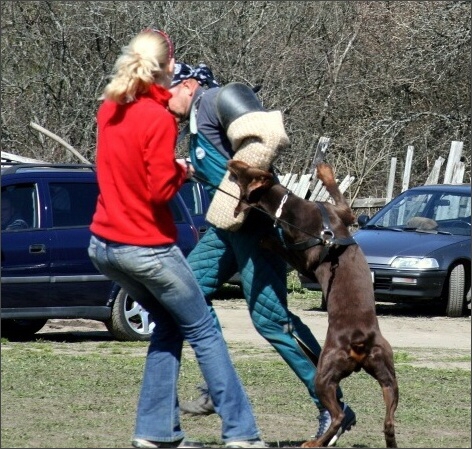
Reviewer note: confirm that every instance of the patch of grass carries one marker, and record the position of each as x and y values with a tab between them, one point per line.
56	396
465	358
402	357
301	298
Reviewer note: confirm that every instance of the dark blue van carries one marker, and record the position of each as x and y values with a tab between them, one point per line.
46	271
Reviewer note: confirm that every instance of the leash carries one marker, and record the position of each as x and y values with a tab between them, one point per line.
279	210
326	238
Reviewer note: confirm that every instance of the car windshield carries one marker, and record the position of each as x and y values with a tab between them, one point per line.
442	212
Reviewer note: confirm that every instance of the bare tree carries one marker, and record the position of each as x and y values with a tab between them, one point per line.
375	77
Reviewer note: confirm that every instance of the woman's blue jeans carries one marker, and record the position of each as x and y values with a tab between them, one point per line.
161	280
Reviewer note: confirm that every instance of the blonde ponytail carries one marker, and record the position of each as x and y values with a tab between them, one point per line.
143	62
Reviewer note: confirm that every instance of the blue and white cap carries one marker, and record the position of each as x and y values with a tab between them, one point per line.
201	73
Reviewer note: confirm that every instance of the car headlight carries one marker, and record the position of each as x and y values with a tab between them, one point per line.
415	263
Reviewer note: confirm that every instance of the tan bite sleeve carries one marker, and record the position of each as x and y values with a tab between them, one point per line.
256	138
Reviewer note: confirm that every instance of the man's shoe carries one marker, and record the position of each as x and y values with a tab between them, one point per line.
142	443
246	443
201	406
324	419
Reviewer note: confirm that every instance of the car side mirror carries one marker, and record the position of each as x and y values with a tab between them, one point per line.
362	220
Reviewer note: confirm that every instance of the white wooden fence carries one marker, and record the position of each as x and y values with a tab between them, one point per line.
301	185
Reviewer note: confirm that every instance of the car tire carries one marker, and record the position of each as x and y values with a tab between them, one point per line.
129	321
20	330
456	292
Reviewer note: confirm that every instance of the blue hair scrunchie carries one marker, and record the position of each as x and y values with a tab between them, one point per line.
201	73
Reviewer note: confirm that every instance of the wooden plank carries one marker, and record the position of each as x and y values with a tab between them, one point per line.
455	154
10	157
291	181
391	179
285	178
368	202
316	191
320	152
345	183
406	173
323	195
303	185
433	177
458	174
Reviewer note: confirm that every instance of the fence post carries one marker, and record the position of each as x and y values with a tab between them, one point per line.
303	186
316	191
408	162
433	177
321	149
285	178
459	171
391	179
291	181
345	183
454	157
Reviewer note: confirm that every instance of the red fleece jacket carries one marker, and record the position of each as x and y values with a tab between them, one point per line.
137	172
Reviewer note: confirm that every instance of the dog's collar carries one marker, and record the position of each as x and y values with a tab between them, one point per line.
327	238
278	212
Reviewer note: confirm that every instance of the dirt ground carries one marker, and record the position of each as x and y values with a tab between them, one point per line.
416	335
402	327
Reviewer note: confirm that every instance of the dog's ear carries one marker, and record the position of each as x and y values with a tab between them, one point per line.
257	186
251	182
254	190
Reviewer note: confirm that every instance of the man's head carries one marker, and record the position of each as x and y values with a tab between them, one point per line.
185	83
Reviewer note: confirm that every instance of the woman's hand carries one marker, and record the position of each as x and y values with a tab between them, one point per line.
188	167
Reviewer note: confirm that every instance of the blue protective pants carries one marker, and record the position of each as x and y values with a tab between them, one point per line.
220	254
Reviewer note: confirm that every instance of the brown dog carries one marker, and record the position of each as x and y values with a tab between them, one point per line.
319	245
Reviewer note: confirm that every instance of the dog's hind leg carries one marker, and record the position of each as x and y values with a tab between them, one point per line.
390	394
380	367
329	400
327	381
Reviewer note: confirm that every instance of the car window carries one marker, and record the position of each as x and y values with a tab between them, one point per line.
19	207
438	211
410	206
450	207
73	203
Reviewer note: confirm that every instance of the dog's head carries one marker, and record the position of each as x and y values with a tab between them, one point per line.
252	183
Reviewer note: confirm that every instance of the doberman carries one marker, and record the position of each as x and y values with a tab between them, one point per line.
317	243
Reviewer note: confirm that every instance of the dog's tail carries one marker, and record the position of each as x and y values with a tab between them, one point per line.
361	345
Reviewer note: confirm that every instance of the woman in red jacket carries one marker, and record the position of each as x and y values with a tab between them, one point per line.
134	243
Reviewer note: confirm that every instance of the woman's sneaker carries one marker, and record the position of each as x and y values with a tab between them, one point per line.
246	443
142	443
324	419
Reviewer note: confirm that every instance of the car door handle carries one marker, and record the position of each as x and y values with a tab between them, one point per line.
202	229
37	249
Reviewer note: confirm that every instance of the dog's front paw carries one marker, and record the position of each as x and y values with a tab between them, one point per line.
324	172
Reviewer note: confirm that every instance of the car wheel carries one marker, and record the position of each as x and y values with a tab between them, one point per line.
21	329
129	321
455	299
